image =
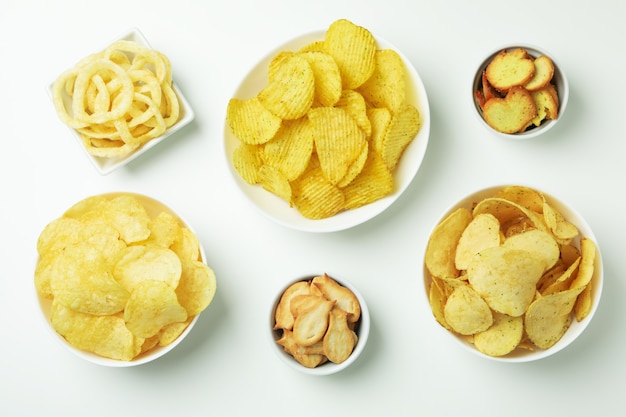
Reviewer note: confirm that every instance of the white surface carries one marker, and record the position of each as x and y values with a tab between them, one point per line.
225	366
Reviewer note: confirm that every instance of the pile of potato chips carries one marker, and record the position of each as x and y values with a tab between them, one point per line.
328	129
118	99
509	273
123	275
317	319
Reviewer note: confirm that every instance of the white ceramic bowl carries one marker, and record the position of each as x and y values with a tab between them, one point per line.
107	165
362	330
559	80
277	209
576	328
153	207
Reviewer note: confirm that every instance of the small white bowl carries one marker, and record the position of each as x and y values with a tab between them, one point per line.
153	207
559	80
576	328
277	209
107	165
362	330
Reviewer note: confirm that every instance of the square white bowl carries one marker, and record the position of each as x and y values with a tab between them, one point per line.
107	165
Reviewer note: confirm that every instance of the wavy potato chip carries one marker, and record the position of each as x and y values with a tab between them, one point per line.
386	88
290	150
374	182
404	125
353	47
147	262
104	335
151	306
327	77
247	161
82	280
251	121
291	89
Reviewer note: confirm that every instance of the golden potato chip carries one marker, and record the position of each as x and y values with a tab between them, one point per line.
151	306
353	48
276	61
140	263
481	233
356	167
339	340
247	161
196	287
58	234
103	335
563	230
314	196
338	141
508	211
380	120
562	281
165	229
442	244
188	247
250	121
386	88
588	256
354	104
82	281
437	300
129	217
327	77
275	182
95	203
549	317
404	125
466	312
502	337
290	92
374	182
103	236
290	150
539	243
506	278
343	297
524	196
44	270
169	333
582	308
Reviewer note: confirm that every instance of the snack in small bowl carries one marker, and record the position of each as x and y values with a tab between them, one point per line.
328	130
120	101
519	91
121	279
319	325
512	273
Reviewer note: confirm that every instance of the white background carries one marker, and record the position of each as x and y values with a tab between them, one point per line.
226	367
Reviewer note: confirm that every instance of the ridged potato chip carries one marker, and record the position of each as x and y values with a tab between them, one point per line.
290	91
312	88
386	88
354	48
251	121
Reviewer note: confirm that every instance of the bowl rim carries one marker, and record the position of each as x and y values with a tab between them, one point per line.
576	328
267	204
105	166
157	352
561	83
327	368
